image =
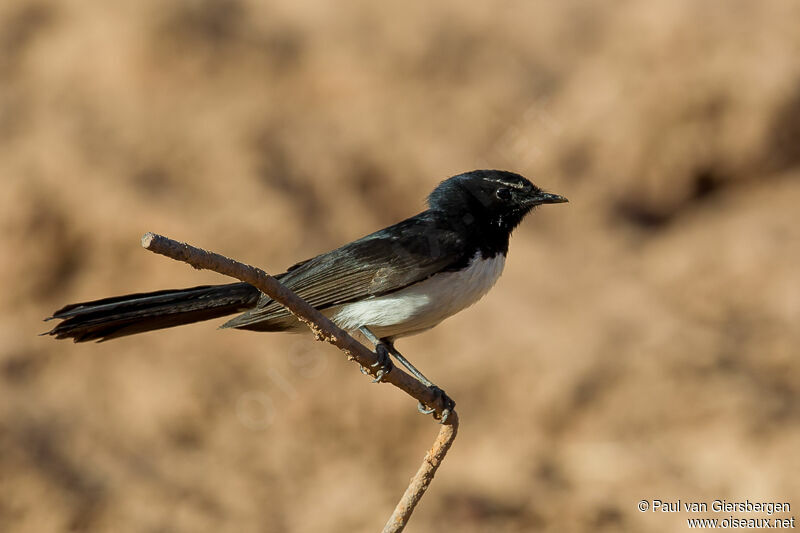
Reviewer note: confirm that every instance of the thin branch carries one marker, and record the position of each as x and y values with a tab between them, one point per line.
324	329
424	476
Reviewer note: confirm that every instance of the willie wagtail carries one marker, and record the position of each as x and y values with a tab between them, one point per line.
398	281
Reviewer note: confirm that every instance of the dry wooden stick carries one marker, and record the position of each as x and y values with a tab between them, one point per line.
424	476
324	329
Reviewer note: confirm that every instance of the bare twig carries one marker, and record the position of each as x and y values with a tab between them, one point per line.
324	329
424	476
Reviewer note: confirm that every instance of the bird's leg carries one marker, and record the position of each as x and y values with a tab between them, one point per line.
388	346
384	362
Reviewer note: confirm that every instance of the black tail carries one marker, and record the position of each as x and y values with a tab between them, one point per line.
136	313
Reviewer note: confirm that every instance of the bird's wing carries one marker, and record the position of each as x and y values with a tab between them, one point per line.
380	263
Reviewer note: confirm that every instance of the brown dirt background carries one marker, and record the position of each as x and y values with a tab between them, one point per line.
642	343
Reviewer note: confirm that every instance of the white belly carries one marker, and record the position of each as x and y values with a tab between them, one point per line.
422	305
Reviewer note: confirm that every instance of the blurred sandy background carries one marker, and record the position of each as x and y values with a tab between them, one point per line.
642	343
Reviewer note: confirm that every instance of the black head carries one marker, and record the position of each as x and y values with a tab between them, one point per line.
494	197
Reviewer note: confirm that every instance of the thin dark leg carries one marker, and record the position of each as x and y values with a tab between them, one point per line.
388	346
383	364
397	355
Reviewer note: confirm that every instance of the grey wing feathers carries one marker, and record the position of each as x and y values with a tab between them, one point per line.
376	264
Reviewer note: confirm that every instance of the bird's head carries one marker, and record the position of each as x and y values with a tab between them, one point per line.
495	197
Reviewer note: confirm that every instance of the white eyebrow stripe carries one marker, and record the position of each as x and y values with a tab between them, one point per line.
514	185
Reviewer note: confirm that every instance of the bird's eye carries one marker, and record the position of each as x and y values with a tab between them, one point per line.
504	193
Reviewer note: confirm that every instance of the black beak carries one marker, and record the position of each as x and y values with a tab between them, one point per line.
542	197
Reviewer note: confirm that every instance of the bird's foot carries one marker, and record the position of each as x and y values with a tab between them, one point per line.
384	347
383	365
447	403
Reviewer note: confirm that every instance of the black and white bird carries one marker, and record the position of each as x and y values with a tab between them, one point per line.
395	282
